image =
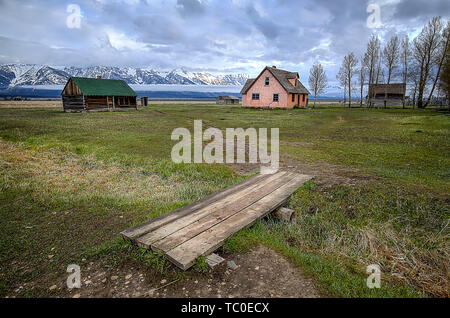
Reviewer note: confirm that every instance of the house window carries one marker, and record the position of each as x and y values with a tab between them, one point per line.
255	96
267	81
304	97
275	97
293	97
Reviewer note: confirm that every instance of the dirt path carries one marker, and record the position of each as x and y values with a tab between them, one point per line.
260	273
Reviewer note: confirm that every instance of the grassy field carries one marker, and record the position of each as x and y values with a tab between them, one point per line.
69	183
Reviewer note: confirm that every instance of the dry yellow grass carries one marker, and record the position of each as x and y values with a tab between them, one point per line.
396	253
69	172
31	104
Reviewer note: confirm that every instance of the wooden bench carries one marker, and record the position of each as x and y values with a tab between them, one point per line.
200	228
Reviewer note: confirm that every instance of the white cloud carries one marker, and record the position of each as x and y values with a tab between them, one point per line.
121	41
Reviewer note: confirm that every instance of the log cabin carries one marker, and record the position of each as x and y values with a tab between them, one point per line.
227	100
275	88
386	94
96	94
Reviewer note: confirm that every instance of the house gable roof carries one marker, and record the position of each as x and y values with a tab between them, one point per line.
103	87
247	85
283	78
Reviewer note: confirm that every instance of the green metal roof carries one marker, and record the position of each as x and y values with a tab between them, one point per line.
103	87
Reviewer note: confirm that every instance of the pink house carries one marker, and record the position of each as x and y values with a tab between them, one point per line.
274	88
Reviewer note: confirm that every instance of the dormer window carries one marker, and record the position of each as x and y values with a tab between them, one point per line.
267	81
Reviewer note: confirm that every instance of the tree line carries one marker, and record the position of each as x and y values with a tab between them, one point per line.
423	64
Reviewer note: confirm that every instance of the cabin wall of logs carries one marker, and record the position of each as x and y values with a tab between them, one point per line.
109	102
98	103
73	103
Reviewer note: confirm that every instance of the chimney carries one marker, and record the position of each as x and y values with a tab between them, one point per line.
273	66
99	77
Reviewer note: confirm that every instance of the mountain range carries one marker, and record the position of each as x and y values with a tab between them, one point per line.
14	75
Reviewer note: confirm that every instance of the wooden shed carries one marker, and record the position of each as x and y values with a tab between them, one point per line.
227	100
97	94
387	94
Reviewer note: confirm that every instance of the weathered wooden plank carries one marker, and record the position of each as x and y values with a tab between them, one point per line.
157	222
76	102
184	255
235	202
74	105
214	260
171	241
283	214
157	234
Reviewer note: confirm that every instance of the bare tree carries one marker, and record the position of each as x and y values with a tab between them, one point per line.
405	58
348	70
362	78
414	79
371	60
391	54
317	80
444	81
379	70
340	76
390	57
425	47
439	59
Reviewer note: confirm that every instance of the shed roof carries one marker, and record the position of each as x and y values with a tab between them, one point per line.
394	88
103	87
227	97
283	77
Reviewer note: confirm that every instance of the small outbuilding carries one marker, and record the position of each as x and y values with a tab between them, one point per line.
97	94
227	100
387	94
144	101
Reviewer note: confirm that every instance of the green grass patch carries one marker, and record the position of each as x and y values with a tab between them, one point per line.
69	183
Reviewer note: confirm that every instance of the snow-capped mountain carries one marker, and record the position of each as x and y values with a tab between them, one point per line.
179	77
26	74
12	75
130	75
235	79
205	78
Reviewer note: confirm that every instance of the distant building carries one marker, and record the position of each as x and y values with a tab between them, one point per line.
97	94
144	101
275	88
387	94
227	100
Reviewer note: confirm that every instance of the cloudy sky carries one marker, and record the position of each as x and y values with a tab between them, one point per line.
218	36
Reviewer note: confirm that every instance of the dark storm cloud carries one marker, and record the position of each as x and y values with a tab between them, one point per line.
406	10
190	7
160	29
241	35
265	25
